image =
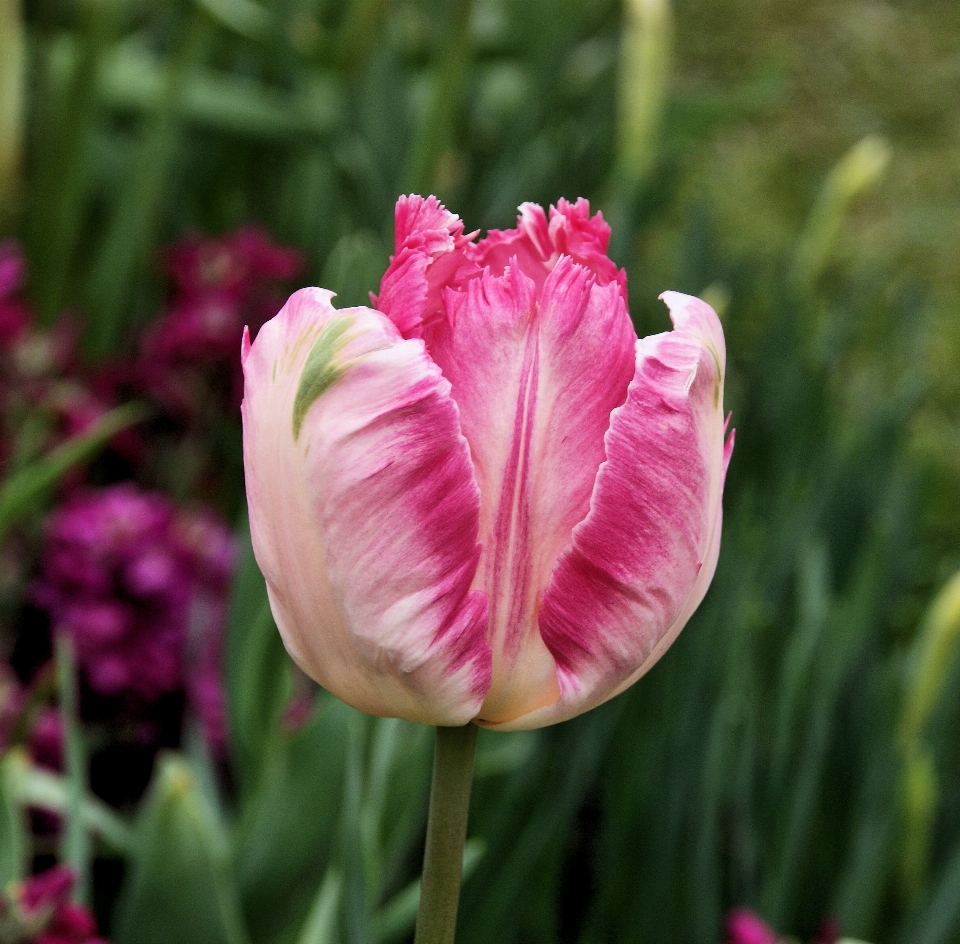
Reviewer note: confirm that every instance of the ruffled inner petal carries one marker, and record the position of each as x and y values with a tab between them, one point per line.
429	255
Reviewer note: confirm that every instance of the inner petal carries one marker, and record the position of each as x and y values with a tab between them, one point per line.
536	377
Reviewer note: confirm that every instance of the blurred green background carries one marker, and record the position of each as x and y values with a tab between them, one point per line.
798	164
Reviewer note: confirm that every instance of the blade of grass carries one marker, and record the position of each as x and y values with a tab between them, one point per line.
132	230
20	493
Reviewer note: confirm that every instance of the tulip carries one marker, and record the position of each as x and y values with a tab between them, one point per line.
484	499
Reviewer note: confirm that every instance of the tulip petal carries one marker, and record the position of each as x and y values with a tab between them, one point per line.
535	381
538	245
364	512
642	559
428	256
529	245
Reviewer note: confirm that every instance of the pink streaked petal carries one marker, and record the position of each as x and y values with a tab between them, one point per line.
534	408
364	512
642	559
428	256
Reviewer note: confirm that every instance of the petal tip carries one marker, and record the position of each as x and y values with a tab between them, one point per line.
693	316
686	308
728	447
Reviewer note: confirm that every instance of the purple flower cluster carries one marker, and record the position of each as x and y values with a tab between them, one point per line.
40	371
220	285
112	579
38	911
140	586
141	589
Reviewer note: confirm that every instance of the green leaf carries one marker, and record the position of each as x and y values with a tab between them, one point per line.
356	873
13	60
130	234
354	267
20	492
258	668
396	918
133	77
14	837
244	17
74	840
938	921
396	795
321	924
179	888
33	786
289	823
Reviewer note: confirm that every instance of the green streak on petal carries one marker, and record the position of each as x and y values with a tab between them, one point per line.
719	381
321	371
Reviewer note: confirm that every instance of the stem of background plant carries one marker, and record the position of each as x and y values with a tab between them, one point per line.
131	233
646	54
435	135
75	847
446	833
13	58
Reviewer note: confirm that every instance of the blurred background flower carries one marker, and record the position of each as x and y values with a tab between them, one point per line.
38	911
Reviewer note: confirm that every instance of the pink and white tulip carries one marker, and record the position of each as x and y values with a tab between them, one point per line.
484	499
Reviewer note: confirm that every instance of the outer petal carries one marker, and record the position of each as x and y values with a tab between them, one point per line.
364	512
536	381
428	257
644	556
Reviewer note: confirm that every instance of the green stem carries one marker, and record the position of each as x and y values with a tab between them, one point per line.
75	843
436	132
446	832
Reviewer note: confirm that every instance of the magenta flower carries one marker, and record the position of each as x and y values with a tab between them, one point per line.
112	580
13	268
487	499
744	927
15	316
231	266
209	548
39	911
188	357
46	739
141	589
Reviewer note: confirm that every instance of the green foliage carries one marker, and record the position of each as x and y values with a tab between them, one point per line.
14	840
32	787
258	669
21	492
180	887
